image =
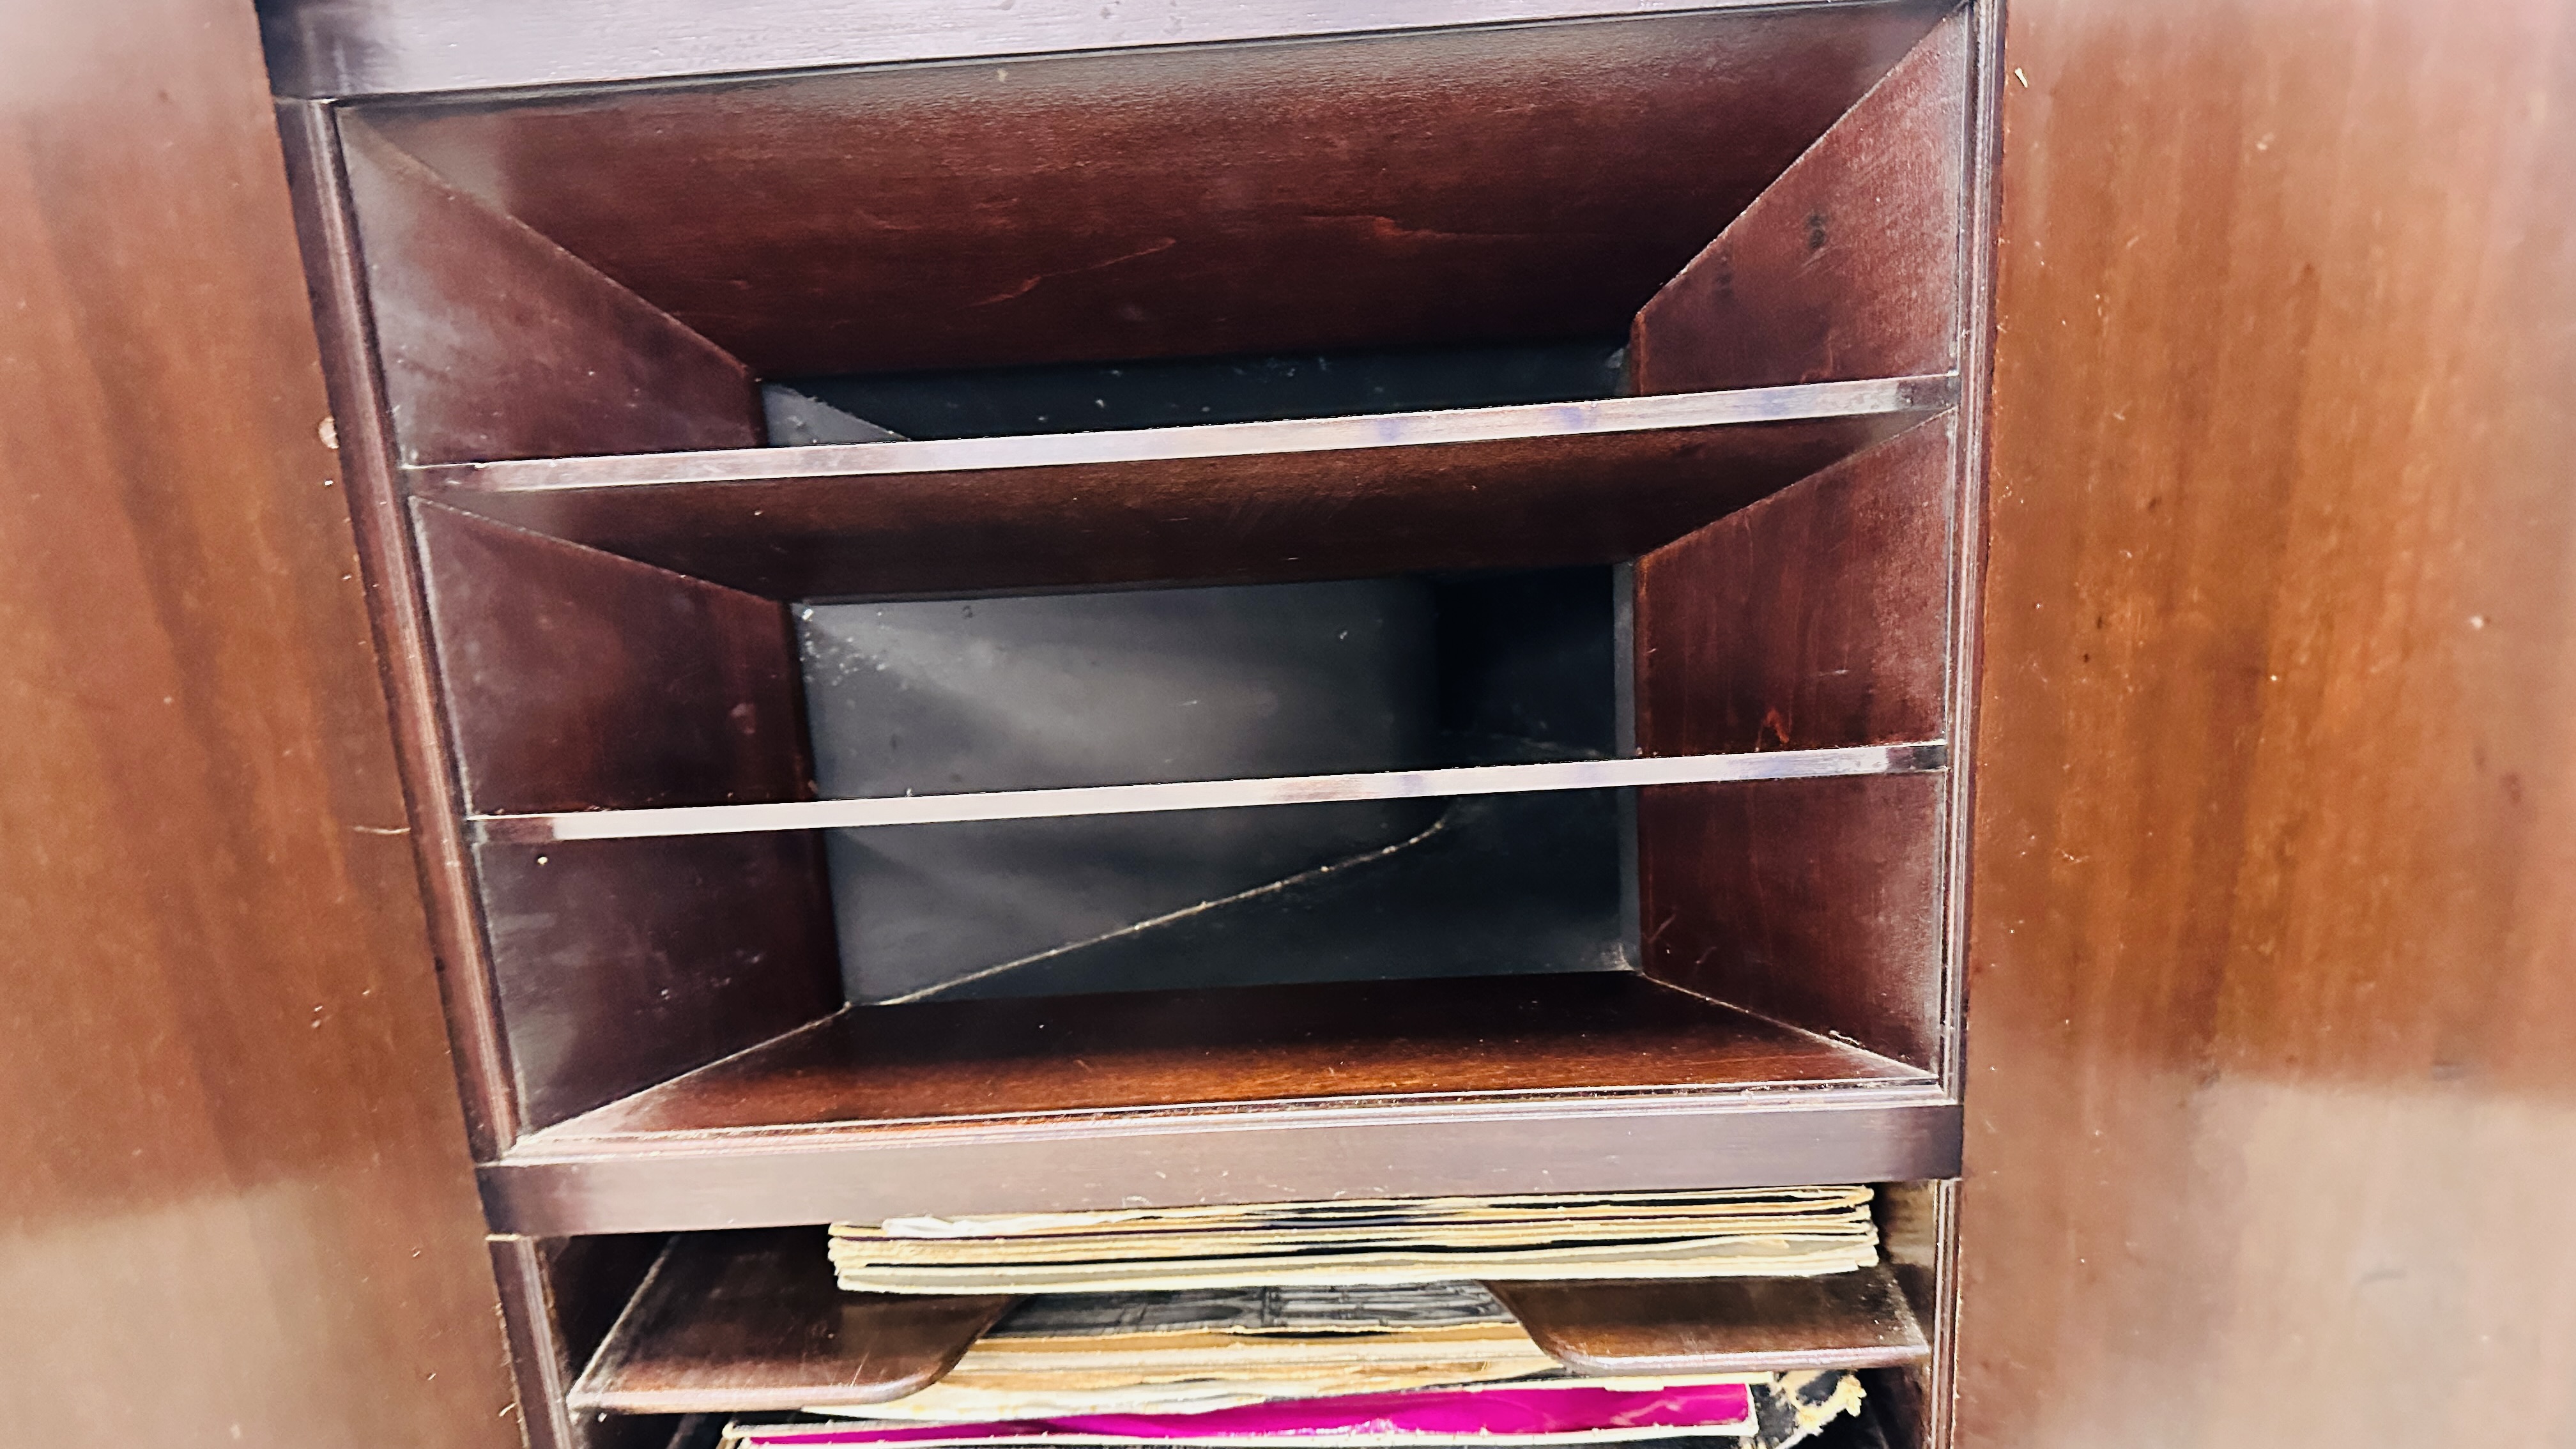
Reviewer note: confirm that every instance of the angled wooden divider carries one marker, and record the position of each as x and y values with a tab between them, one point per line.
497	343
590	680
1848	264
1736	651
750	1321
1815	901
577	680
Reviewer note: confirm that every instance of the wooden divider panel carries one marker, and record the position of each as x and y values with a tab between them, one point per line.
1813	902
1815	619
622	963
753	1321
496	343
592	681
578	680
1848	265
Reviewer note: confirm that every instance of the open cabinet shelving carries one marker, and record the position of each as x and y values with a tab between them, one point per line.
1370	614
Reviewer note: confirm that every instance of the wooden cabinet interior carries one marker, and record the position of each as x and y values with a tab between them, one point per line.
1721	265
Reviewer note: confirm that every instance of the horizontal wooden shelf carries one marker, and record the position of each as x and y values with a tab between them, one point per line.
1585	1081
1212	794
1530	485
742	1322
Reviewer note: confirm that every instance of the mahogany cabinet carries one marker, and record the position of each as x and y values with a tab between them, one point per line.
1365	614
923	608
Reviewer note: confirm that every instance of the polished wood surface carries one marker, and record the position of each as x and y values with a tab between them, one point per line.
400	47
235	1201
1814	902
538	1357
1018	1057
584	680
1720	1325
559	1297
2273	1114
578	680
1374	191
1848	265
381	519
1817	618
495	343
618	963
1282	1152
1005	513
751	1321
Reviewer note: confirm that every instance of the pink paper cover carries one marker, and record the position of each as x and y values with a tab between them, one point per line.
1434	1415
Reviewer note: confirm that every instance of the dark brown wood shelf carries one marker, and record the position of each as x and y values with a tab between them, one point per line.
1598	1080
1179	1051
1525	486
752	1321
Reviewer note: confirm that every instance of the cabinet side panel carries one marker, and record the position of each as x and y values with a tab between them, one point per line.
1848	265
237	1206
2272	1112
496	343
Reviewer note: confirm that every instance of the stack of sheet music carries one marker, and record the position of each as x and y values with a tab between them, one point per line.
1769	1232
1352	1323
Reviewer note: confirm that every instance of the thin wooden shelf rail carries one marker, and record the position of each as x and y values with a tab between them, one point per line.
1903	759
1528	485
1798	402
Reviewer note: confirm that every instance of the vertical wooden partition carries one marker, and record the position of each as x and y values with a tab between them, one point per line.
1848	265
577	680
1817	618
1822	615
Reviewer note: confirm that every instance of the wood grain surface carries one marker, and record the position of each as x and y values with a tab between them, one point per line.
2273	1115
578	680
1721	1325
235	1202
1848	265
751	1321
1175	1050
1817	618
618	963
496	343
1814	902
410	47
1355	192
